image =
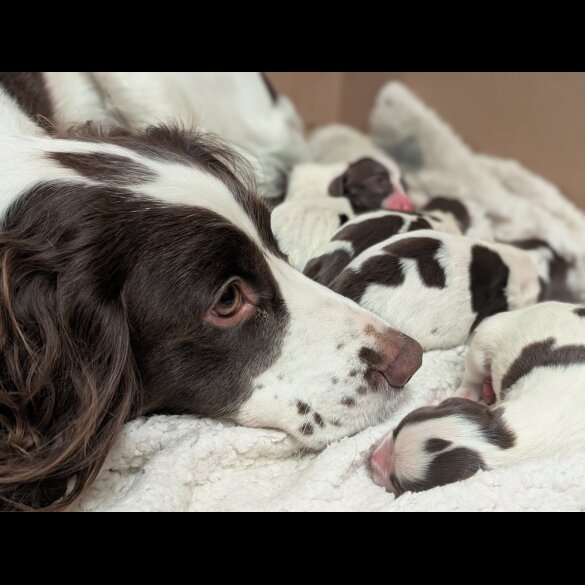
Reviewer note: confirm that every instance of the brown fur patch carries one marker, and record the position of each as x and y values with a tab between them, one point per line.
104	167
541	354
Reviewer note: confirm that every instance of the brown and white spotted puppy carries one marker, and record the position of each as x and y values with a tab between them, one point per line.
366	183
139	275
438	287
366	230
533	363
370	185
371	179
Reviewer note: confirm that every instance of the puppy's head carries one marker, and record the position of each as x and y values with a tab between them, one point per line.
449	210
367	184
437	445
142	276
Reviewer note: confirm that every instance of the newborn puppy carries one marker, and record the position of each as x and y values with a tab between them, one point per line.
372	180
535	358
370	185
438	287
368	229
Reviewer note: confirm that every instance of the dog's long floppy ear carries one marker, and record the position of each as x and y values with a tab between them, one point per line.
337	186
67	375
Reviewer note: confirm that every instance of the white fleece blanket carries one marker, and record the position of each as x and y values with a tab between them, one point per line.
173	463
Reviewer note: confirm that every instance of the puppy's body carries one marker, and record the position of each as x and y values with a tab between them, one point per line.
535	358
139	274
301	226
322	197
364	231
438	287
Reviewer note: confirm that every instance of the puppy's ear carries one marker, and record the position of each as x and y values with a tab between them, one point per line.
337	187
325	268
67	376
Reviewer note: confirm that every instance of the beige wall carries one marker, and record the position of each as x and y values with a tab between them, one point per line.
536	118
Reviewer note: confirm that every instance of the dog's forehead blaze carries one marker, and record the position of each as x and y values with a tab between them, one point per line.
172	165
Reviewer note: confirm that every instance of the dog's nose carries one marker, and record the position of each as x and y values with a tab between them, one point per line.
401	357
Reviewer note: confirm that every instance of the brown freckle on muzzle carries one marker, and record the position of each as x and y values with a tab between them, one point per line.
362	389
353	373
318	419
334	380
306	429
302	407
347	401
372	378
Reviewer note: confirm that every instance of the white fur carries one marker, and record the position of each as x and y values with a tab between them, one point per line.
301	226
337	143
13	121
312	180
76	98
236	106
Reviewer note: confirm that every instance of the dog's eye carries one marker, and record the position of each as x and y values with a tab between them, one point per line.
229	302
236	303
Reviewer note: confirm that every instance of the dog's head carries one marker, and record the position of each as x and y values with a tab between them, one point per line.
140	275
437	445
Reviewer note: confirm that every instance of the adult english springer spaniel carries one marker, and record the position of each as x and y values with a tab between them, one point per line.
139	274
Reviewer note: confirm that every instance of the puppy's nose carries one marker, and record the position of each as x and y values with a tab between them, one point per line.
400	357
382	463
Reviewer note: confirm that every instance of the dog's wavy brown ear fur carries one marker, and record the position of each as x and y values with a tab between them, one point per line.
67	376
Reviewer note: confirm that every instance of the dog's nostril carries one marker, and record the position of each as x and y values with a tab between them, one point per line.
370	356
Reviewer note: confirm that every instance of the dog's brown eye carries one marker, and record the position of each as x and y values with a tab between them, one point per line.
229	302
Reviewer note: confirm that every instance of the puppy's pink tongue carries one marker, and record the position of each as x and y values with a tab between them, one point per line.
398	201
487	392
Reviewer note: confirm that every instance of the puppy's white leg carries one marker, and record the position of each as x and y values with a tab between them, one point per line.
477	370
478	363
